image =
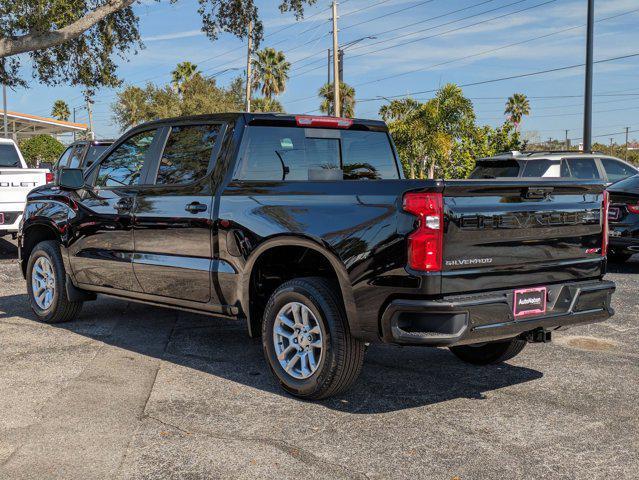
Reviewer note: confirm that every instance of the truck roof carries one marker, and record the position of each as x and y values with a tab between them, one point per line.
7	141
274	119
544	154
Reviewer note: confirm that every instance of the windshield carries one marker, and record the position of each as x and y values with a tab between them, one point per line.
9	156
496	169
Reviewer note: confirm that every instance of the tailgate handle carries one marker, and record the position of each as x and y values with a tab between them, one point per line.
538	193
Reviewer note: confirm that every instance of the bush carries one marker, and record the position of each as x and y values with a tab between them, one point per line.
41	148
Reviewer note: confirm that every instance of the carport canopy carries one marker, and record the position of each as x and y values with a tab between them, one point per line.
25	125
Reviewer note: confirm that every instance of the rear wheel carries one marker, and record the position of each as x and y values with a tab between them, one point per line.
306	340
46	285
487	353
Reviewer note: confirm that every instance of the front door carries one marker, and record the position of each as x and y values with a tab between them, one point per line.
173	217
102	255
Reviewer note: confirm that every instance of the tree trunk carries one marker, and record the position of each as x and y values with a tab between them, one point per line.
411	165
431	169
41	40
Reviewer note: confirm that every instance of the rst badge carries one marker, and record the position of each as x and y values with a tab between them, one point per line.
529	301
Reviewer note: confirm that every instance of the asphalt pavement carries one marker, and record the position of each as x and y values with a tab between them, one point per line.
133	391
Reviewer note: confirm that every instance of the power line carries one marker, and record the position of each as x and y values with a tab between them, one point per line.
510	77
452	12
441	33
386	15
492	50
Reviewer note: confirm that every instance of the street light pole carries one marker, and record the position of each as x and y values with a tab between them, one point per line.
589	67
248	66
336	97
4	107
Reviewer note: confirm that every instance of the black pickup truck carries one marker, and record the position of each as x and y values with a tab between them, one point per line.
305	229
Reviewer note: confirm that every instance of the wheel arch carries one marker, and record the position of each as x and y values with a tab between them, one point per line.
296	242
32	234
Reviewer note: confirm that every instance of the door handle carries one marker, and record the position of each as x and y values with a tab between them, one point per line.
196	207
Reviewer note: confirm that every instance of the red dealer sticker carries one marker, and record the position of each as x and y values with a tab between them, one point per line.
529	301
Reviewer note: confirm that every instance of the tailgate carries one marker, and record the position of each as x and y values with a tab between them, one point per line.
503	234
16	183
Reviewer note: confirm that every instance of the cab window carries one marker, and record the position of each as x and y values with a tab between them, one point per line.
124	164
64	158
583	168
187	154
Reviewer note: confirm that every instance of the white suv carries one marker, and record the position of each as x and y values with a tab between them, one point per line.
567	164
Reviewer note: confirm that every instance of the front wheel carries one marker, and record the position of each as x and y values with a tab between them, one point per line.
46	285
487	353
306	340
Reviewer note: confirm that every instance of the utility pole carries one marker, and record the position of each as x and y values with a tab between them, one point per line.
4	107
589	67
626	155
567	141
248	66
74	122
90	112
341	66
611	152
336	98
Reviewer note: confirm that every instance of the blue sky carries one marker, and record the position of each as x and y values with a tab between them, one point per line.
419	45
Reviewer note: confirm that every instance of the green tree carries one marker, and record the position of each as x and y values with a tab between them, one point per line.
89	34
266	104
40	148
439	138
270	72
183	72
517	106
60	110
200	95
346	99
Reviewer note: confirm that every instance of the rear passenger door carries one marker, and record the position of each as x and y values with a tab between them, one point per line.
173	215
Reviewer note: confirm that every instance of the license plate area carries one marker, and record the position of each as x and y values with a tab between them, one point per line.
529	301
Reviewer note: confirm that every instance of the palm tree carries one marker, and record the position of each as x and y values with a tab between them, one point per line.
517	107
183	72
398	109
346	98
266	104
270	72
60	110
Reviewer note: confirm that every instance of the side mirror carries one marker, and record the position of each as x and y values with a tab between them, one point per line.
71	178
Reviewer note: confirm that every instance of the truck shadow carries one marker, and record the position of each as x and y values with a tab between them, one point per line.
393	378
629	266
8	250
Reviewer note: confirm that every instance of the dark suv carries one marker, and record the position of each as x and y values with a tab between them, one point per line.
569	164
305	229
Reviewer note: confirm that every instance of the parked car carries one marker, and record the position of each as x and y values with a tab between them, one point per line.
569	164
16	181
304	228
81	154
624	219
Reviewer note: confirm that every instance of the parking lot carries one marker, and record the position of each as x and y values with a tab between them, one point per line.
132	391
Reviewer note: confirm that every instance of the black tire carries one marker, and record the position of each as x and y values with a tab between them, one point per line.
487	353
61	308
342	355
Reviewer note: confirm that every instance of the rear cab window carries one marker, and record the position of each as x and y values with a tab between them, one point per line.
9	157
271	153
495	169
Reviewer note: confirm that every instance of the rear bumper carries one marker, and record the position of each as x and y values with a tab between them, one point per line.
489	316
11	221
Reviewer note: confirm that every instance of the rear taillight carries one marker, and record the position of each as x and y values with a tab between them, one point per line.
604	213
49	177
633	208
426	243
329	122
